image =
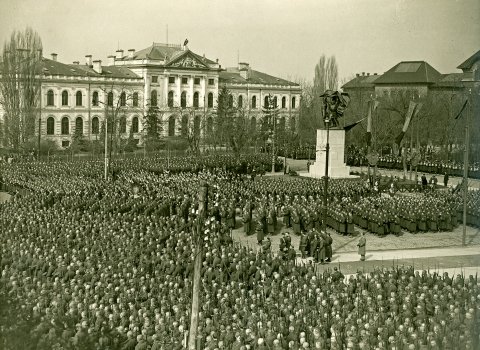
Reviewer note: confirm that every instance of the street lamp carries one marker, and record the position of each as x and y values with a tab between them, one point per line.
327	154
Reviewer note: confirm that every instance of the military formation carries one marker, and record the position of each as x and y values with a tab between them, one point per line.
89	264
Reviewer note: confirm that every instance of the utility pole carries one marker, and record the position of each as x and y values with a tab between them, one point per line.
106	146
202	209
465	167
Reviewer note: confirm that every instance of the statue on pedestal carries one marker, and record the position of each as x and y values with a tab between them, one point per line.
335	103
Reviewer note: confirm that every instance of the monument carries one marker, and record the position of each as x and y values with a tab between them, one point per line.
330	150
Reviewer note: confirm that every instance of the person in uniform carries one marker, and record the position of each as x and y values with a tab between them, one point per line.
303	245
362	246
328	247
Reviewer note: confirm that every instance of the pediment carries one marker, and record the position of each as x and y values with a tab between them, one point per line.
187	60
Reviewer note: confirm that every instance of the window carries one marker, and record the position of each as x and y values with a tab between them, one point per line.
110	99
196	81
50	101
275	102
171	80
195	100
78	98
123	99
50	126
196	125
135	99
284	102
135	124
184	80
254	102
95	98
210	100
65	143
64	98
95	126
209	125
183	100
153	98
79	126
230	101
65	126
211	81
293	103
184	125
171	126
265	102
123	125
170	99
240	101
154	79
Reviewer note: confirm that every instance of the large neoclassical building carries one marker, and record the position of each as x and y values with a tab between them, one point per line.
182	84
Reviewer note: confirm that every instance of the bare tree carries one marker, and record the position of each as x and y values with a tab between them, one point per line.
20	85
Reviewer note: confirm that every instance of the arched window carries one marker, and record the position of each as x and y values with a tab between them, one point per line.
284	102
292	124
265	102
78	98
153	98
195	100
123	99
275	102
123	125
95	126
135	125
184	125
230	101
210	100
240	101
254	102
196	125
183	100
170	99
65	126
95	99
171	126
135	99
79	126
209	125
50	100
293	102
253	125
64	98
50	126
110	98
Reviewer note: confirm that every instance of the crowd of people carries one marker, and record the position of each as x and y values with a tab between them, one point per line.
90	264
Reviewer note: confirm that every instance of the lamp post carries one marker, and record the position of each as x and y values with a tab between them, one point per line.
327	154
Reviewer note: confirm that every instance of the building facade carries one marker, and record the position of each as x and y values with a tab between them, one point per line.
182	85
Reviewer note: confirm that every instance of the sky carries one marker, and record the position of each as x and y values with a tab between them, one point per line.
283	38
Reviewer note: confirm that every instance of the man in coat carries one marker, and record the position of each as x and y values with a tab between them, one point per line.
362	246
328	247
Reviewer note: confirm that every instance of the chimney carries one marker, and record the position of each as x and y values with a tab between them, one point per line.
119	55
375	74
76	62
244	69
111	60
358	74
363	74
131	52
88	60
97	66
54	57
368	74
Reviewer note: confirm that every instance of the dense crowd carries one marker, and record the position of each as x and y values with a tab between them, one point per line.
89	264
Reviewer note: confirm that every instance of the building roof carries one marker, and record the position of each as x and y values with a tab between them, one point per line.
50	67
361	82
468	63
232	76
167	52
452	80
410	72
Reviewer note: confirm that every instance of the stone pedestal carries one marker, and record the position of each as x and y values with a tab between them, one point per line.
336	164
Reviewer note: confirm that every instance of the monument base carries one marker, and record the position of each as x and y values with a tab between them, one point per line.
336	164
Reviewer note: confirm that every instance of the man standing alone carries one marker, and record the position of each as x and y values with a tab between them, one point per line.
362	246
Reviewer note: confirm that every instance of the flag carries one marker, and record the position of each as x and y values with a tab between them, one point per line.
411	109
372	106
351	126
461	110
185	42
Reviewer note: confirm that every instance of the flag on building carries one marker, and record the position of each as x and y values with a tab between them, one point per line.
351	126
372	106
411	110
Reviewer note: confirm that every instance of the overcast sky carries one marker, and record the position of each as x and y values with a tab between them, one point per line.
280	37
